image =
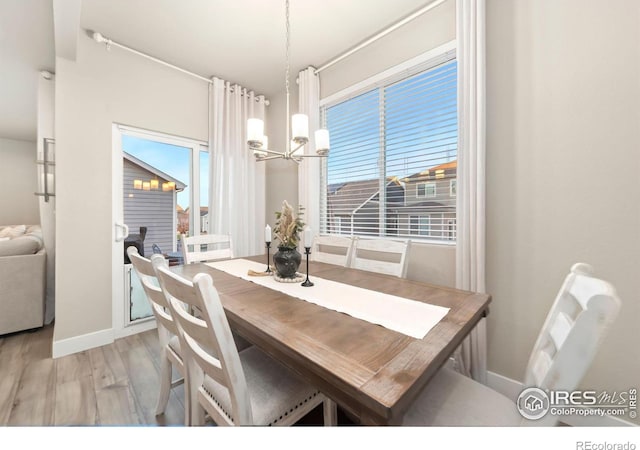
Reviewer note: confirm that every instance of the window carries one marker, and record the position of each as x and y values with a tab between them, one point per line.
420	225
453	187
393	154
451	229
426	190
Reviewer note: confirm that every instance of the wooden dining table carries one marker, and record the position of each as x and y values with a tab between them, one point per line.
372	372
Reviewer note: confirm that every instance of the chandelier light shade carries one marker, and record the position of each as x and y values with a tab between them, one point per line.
299	127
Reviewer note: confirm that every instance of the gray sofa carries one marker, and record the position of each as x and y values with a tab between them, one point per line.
22	278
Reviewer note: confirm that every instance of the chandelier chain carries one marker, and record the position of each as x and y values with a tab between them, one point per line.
299	123
287	47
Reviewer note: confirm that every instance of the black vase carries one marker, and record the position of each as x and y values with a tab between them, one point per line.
287	260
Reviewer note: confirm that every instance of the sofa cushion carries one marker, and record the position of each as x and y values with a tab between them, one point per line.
13	231
23	245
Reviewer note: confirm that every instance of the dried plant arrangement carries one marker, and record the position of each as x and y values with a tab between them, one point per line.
288	225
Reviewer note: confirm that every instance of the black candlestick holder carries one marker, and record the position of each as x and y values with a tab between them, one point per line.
307	283
268	265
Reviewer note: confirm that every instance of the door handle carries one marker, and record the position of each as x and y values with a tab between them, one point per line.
125	231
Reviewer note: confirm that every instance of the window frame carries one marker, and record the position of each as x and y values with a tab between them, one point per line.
426	61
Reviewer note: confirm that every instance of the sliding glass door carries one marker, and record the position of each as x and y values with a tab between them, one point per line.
159	178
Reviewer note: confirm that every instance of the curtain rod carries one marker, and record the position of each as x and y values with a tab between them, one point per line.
100	39
372	39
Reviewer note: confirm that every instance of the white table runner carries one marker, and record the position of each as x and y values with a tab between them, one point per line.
409	317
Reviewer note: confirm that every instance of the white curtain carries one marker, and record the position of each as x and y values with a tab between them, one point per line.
236	181
471	357
309	168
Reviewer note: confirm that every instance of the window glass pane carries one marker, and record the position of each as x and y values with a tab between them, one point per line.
156	188
393	161
204	192
352	166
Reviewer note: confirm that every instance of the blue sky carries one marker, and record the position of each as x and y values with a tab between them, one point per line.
172	160
420	124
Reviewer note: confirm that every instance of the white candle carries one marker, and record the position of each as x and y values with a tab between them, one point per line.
308	237
267	233
300	127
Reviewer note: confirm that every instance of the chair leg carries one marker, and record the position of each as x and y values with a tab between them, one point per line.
187	399
197	414
330	410
196	411
165	382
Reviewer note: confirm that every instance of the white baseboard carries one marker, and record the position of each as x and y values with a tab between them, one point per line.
506	386
76	344
512	388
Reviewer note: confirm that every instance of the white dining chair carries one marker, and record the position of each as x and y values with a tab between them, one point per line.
382	256
580	317
236	388
332	249
216	246
170	350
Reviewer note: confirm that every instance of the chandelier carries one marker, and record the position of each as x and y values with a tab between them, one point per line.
299	129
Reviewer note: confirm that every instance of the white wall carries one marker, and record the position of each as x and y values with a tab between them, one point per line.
563	157
18	183
429	31
100	88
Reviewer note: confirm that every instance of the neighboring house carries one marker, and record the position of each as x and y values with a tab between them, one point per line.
353	207
183	220
422	204
430	202
149	205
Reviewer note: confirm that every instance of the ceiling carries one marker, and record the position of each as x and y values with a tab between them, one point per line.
242	41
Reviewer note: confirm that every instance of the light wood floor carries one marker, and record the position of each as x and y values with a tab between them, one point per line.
116	384
112	385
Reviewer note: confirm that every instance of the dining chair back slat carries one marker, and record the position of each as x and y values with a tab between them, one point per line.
382	256
583	311
216	246
322	244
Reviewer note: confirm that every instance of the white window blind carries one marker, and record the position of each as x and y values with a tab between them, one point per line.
393	158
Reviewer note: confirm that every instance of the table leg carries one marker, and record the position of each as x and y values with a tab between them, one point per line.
330	413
